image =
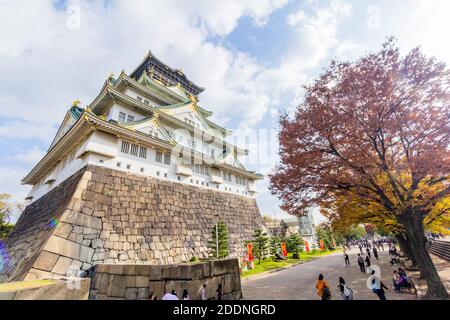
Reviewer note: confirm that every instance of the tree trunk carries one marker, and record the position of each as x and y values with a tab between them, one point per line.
405	247
413	224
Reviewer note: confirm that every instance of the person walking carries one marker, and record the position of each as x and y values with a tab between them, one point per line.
203	292
361	263
347	259
375	253
378	286
367	261
323	290
368	252
186	295
345	292
360	248
219	292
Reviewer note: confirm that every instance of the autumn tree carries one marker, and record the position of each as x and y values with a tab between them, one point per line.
374	130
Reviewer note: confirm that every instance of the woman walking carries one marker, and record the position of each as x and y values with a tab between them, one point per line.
323	290
345	292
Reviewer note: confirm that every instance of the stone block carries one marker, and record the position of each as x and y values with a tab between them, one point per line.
143	293
206	269
223	266
116	269
68	248
157	287
101	268
81	219
196	271
62	265
142	282
46	261
62	229
155	272
232	282
176	272
117	286
101	282
131	281
129	269
143	270
131	293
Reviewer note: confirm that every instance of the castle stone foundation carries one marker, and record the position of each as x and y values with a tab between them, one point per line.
105	216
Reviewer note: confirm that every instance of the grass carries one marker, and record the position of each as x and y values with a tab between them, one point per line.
269	264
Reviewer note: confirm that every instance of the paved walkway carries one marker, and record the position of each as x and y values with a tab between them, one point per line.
298	283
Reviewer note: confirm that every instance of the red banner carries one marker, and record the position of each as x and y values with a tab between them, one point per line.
306	246
321	244
250	251
283	249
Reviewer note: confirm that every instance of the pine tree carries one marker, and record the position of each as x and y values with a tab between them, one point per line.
294	243
222	233
275	245
260	244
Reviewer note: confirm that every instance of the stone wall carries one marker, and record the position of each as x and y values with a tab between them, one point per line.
54	289
131	282
111	217
33	229
281	228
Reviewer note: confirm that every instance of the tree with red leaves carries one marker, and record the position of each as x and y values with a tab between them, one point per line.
375	130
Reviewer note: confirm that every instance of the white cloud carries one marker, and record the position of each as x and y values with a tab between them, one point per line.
49	65
30	156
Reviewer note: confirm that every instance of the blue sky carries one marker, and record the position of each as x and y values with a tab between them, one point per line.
251	56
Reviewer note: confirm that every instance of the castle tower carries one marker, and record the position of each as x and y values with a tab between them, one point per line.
139	176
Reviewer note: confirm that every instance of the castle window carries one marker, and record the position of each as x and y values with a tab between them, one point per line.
128	166
125	147
130	118
118	164
122	117
142	169
165	175
166	158
158	157
179	178
157	173
143	152
147	102
134	149
139	98
101	161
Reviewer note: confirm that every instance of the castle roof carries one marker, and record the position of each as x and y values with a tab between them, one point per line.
156	69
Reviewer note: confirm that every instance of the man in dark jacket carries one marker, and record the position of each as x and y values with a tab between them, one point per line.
361	263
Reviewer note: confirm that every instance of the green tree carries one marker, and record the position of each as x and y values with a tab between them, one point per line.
220	233
6	210
294	243
325	233
260	244
275	245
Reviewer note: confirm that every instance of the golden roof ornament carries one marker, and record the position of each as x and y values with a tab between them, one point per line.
76	103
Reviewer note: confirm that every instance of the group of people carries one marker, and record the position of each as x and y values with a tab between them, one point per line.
399	280
433	236
323	290
185	296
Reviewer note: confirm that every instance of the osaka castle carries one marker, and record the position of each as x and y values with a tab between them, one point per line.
141	175
148	123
